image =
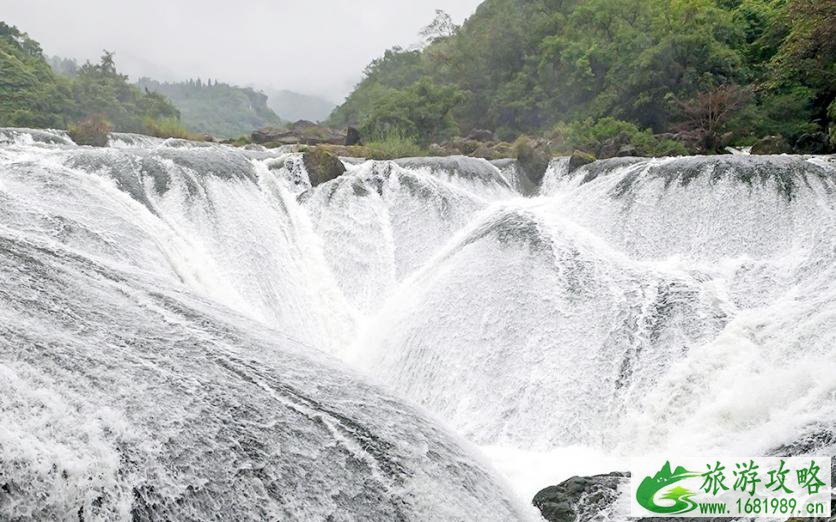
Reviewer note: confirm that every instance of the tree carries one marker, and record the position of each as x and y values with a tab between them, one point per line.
101	90
31	95
441	27
63	66
808	55
706	116
397	69
421	112
522	66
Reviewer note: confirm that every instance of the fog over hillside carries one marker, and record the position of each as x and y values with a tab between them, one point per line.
268	44
293	106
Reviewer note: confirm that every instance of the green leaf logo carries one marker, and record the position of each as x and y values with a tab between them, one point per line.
681	497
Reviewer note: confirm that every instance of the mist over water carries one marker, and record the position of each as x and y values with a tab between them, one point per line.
187	329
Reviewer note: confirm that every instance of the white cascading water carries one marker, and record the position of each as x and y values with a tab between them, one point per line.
382	220
165	313
178	322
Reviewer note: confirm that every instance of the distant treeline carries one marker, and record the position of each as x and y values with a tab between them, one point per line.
216	108
711	72
32	94
36	91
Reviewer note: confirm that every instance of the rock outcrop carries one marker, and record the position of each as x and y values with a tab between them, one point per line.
481	135
593	498
588	498
579	498
534	157
322	166
301	132
352	137
771	145
578	159
813	143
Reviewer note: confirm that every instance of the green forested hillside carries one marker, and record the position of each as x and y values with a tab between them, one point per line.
712	71
32	94
216	108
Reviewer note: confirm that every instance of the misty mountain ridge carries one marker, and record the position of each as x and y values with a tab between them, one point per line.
216	108
294	106
221	109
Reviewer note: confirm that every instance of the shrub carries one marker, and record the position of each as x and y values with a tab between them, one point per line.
707	116
394	146
786	114
169	128
606	136
93	130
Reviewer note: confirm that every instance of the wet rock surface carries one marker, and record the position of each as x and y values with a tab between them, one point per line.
579	159
586	499
580	498
322	166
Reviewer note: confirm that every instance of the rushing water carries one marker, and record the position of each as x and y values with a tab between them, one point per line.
191	330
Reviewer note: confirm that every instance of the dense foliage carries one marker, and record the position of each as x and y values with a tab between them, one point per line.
93	130
420	112
216	108
525	66
100	89
32	94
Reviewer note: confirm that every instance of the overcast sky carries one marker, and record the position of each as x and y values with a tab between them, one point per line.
312	46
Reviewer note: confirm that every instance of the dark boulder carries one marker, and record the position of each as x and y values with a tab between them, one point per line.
302	125
463	145
617	148
494	151
813	143
609	149
771	145
269	135
579	159
322	166
627	151
587	498
592	498
533	157
579	498
690	140
480	135
352	136
818	441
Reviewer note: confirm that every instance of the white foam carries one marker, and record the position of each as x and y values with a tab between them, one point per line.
666	304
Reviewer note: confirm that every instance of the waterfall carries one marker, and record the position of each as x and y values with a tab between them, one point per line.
166	318
591	314
194	327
